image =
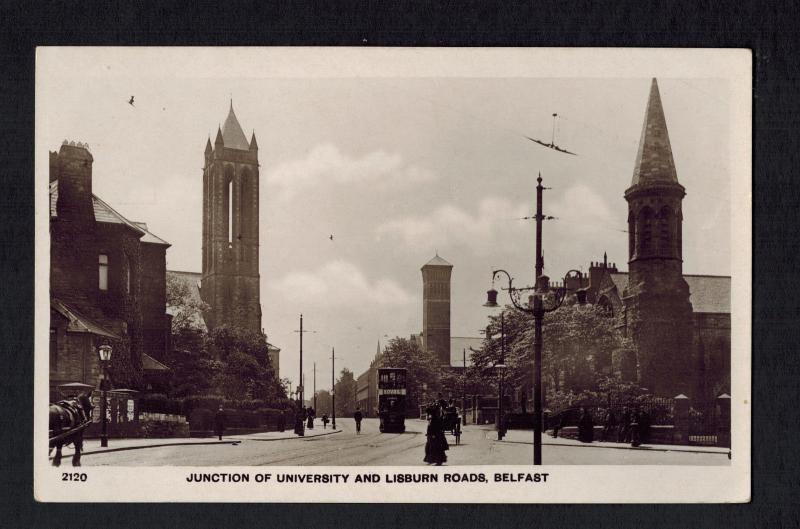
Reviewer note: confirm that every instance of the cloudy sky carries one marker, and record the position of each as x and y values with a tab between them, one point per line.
395	167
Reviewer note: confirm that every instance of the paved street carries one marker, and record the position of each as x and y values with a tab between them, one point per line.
478	446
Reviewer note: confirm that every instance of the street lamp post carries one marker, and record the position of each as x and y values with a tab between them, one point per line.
333	388
105	357
537	308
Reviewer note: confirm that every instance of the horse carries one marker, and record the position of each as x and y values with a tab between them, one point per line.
68	420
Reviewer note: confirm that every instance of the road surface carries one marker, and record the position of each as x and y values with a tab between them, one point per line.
478	447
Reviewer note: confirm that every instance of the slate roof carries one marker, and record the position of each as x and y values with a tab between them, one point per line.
654	162
232	134
151	364
105	213
437	261
711	294
78	322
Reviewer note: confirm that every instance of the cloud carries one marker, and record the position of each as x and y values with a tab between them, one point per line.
341	284
493	216
581	207
326	164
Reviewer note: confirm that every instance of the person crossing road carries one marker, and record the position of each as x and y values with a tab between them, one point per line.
358	417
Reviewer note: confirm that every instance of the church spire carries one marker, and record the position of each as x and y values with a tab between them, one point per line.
253	143
232	132
654	162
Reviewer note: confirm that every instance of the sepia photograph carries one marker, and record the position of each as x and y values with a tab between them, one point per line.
492	270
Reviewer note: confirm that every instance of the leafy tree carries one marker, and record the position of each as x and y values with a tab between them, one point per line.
345	389
578	341
323	402
187	312
424	373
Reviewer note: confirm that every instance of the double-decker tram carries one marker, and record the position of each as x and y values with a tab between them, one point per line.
392	399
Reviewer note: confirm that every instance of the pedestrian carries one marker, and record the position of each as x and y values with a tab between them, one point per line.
358	417
557	423
635	434
282	421
299	421
324	421
310	416
625	426
585	427
219	422
609	425
436	443
644	427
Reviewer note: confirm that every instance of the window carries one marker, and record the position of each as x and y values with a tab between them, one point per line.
230	211
127	274
103	269
53	349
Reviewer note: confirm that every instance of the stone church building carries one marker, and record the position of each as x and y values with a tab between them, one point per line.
679	324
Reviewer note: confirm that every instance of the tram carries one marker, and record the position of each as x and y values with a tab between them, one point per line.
392	399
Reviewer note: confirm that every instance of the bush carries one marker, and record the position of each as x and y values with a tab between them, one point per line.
201	419
207	402
159	403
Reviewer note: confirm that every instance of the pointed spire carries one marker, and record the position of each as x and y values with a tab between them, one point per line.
654	162
208	145
232	132
253	143
605	260
219	140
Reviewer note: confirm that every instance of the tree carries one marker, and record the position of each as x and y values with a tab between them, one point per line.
186	310
323	402
578	342
345	393
424	373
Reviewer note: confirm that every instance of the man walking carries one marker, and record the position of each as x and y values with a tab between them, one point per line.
357	416
219	422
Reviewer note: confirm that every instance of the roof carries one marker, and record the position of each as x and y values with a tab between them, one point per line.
192	282
78	322
105	213
151	364
232	133
457	346
437	261
654	162
711	294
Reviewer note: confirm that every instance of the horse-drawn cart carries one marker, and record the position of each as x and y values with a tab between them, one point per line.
452	422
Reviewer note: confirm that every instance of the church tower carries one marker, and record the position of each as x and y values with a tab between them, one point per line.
230	281
436	308
657	306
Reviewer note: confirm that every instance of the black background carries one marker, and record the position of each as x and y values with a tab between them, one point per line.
765	27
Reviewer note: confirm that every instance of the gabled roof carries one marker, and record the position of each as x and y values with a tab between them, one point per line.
232	133
105	213
151	364
654	162
437	261
710	294
78	322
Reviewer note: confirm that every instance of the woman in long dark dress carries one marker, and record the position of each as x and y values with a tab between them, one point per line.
437	443
586	427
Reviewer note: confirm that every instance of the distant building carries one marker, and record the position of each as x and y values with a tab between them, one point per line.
230	274
367	387
107	283
436	308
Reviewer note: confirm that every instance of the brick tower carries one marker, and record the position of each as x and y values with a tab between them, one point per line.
659	313
230	282
436	308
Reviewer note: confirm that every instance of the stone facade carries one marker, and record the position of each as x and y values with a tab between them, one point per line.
107	280
230	273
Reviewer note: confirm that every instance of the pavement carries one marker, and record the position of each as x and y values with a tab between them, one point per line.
92	446
526	437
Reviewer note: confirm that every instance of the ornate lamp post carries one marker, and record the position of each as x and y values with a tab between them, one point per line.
500	367
537	308
105	358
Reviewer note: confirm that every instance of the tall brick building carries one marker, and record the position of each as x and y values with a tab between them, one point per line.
230	277
436	308
107	282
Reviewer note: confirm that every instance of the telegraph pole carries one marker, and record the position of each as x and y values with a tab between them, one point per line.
315	387
302	378
333	388
464	388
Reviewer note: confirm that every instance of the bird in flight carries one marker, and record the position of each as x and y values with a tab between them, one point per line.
331	237
130	102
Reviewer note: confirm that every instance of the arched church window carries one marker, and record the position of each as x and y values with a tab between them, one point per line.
230	210
631	235
646	222
665	223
